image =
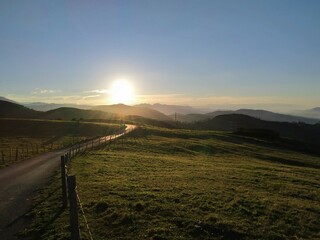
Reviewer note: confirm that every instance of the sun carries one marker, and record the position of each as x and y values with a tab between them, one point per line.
122	92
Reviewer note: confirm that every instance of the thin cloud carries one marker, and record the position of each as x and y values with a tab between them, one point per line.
42	91
98	91
91	96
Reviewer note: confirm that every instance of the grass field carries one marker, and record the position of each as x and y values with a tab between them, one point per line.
180	184
21	139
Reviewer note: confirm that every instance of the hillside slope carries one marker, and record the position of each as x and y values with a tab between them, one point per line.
13	110
261	114
74	113
40	106
182	184
232	122
110	112
171	109
126	110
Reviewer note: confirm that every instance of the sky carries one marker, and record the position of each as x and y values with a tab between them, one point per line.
227	54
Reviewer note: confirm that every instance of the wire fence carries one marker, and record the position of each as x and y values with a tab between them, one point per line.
84	216
69	188
14	149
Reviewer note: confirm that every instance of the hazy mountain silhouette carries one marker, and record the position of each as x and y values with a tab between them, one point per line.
40	106
111	112
13	110
126	110
309	113
171	109
192	117
232	122
271	116
260	114
7	100
74	113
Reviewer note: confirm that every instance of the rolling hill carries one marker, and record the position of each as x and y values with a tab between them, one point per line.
271	116
188	118
13	110
232	122
260	114
74	113
310	113
111	112
7	100
126	110
40	106
171	109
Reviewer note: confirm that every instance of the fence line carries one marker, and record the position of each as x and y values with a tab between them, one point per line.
68	182
84	216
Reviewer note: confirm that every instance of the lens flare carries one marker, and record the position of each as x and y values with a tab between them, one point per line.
122	92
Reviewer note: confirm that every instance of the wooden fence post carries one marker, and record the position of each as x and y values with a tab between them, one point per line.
2	156
17	152
63	181
74	223
66	158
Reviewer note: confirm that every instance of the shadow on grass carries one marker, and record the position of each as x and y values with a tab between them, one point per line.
285	161
29	215
39	233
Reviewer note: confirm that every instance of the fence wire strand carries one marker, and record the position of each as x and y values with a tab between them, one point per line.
70	156
84	216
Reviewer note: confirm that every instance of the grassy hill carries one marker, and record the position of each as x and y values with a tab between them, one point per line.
44	128
74	113
185	184
307	133
13	110
24	138
40	106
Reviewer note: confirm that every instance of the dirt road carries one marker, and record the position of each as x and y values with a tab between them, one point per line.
19	184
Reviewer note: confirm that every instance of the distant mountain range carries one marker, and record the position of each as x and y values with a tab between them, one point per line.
310	113
259	114
111	112
7	100
126	110
160	112
219	120
163	108
40	106
171	109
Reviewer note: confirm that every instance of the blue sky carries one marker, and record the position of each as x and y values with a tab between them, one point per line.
221	53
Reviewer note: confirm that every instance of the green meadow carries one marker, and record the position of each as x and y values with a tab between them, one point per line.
21	138
181	184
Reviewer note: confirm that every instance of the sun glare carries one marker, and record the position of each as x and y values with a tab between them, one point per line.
122	92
